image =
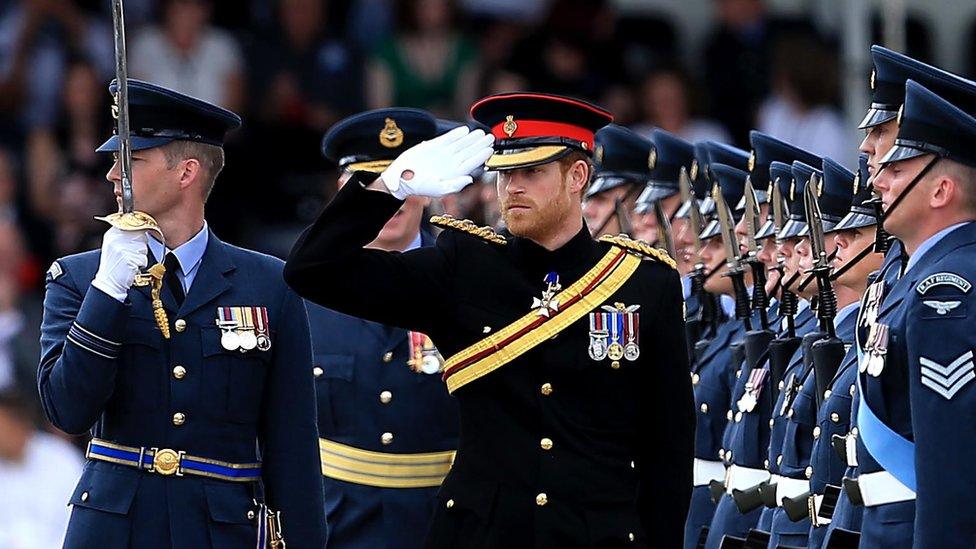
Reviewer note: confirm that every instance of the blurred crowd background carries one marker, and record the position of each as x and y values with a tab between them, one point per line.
294	67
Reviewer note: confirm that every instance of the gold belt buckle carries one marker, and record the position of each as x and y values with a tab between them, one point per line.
166	462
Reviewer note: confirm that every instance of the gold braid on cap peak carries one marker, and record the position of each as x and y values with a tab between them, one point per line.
468	226
640	247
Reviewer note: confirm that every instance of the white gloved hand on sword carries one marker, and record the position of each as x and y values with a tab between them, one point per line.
440	166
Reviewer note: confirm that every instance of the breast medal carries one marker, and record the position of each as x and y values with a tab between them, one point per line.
228	322
264	332
548	304
615	334
424	356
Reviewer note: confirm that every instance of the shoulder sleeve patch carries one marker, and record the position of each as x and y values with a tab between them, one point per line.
468	226
54	271
943	279
640	247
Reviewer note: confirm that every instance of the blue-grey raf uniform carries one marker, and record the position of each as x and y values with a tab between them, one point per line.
388	425
915	418
190	434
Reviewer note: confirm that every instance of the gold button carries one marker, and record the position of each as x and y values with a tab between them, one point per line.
827	394
816	432
180	325
386	397
779	459
853	389
633	465
771	423
179	372
546	443
695	378
317	371
738	417
835	417
704	407
808	471
721	453
388	356
541	499
631	536
386	438
179	418
765	464
84	496
250	515
790	413
546	389
449	504
781	385
854	431
615	365
738	374
728	415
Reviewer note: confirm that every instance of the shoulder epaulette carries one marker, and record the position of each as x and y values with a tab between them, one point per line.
641	247
468	226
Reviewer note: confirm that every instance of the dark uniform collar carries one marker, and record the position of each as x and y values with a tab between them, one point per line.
531	256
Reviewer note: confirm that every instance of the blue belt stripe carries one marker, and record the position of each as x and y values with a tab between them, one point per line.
186	464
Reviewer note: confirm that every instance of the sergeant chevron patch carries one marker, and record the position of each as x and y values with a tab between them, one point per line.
947	380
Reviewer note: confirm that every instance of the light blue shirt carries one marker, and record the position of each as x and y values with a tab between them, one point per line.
686	287
190	255
415	244
845	312
929	243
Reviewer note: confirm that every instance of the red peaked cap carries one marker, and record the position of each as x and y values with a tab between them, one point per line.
552	124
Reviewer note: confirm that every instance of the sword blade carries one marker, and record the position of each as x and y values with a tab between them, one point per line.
122	106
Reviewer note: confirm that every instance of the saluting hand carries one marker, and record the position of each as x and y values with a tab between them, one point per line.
124	254
440	166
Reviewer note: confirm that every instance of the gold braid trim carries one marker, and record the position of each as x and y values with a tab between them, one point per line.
640	247
468	226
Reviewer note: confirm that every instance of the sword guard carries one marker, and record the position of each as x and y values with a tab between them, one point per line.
132	221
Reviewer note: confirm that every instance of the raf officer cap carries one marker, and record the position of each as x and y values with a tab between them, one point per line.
797	223
862	212
673	153
834	194
931	125
780	173
891	71
371	140
765	150
621	157
700	183
732	183
159	115
534	128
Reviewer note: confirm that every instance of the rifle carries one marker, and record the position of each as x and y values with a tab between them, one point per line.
733	262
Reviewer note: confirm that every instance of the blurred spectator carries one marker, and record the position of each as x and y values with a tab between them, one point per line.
36	39
38	472
11	318
665	100
428	65
186	53
736	58
802	109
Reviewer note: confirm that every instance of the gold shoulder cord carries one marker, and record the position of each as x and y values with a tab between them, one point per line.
468	226
640	247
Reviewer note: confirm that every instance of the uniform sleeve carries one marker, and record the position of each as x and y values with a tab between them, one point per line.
288	437
80	345
667	433
330	266
940	342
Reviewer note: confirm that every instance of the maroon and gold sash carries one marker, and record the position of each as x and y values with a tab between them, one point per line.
523	335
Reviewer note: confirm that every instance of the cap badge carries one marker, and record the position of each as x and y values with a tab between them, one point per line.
115	106
857	182
752	160
874	77
510	125
901	113
820	187
391	136
694	169
792	189
598	154
652	158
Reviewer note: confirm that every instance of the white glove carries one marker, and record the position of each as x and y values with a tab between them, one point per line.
124	253
440	166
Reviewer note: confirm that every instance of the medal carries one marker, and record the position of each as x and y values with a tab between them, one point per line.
548	304
229	340
615	351
747	403
598	337
248	340
228	322
631	349
424	357
431	364
264	336
614	334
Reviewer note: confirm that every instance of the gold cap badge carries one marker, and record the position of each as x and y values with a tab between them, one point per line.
598	154
391	135
857	181
874	76
693	173
752	160
652	158
510	125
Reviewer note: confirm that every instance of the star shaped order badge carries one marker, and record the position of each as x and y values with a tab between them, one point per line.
548	304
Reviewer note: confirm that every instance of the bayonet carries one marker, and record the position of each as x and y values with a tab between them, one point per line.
789	302
665	239
751	220
733	262
827	301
